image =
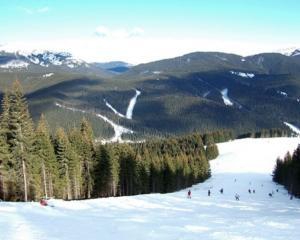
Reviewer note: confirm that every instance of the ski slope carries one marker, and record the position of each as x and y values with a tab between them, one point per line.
242	165
131	104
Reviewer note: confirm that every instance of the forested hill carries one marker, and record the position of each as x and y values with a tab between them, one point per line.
201	91
69	165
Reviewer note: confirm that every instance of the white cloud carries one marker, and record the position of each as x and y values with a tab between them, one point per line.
120	33
121	46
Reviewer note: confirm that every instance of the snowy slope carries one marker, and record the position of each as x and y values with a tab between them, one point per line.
118	129
131	105
173	216
225	97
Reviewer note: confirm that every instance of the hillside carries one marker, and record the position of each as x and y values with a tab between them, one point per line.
173	216
200	91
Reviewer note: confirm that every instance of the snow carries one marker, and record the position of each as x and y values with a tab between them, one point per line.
118	129
290	52
206	94
131	105
173	216
222	58
113	109
242	74
15	64
243	60
225	97
48	75
295	129
282	93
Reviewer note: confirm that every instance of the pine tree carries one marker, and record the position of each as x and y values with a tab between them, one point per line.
21	137
212	151
4	167
62	152
77	152
128	169
88	156
46	157
106	172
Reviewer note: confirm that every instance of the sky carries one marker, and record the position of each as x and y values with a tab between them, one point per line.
143	31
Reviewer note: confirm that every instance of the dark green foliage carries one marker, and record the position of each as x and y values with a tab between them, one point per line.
18	132
48	164
34	164
212	151
106	173
287	172
267	133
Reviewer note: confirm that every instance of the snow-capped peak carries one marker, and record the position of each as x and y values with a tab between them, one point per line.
46	58
291	52
43	58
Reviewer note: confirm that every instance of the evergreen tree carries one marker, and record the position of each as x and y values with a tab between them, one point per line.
106	172
212	151
21	137
4	167
47	159
88	157
128	169
62	152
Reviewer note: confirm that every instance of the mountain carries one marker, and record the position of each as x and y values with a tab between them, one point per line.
47	61
291	52
296	53
200	91
115	66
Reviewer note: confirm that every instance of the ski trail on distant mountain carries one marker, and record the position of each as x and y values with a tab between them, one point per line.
295	129
132	104
118	129
113	109
227	101
225	97
130	107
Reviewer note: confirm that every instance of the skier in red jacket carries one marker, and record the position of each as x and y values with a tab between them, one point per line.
43	202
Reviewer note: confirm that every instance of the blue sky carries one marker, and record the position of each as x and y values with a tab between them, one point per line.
166	27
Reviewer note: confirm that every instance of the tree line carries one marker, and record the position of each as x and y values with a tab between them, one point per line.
69	165
267	133
287	172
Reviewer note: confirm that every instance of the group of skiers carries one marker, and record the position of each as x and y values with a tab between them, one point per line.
237	196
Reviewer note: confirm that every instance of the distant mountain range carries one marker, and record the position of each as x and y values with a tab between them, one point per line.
200	91
56	61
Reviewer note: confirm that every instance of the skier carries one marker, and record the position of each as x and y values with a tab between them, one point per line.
221	190
270	195
253	190
208	192
237	197
189	194
249	190
43	202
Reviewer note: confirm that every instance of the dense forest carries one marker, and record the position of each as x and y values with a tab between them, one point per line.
69	165
287	172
